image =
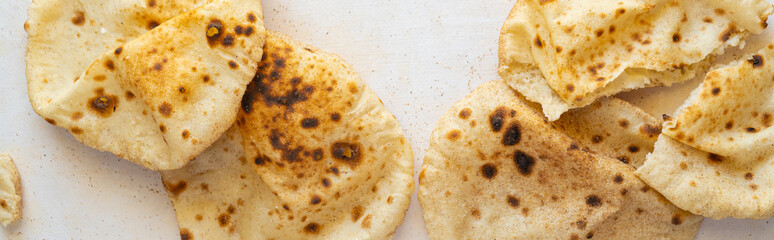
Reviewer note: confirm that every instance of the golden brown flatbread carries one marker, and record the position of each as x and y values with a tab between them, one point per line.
209	194
323	142
331	161
496	167
565	54
716	156
159	99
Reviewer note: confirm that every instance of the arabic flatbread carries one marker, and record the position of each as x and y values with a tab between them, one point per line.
716	157
323	142
299	192
151	100
496	167
565	54
10	191
209	193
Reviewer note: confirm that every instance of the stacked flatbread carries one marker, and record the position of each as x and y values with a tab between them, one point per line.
315	153
10	191
565	54
496	168
331	161
120	76
716	157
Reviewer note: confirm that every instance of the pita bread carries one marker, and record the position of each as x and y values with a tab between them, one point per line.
81	32
209	193
730	114
323	142
150	100
10	191
316	195
496	167
613	128
565	54
708	184
716	157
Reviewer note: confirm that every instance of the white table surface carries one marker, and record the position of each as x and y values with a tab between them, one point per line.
419	56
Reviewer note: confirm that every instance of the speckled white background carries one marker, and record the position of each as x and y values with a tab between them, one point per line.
419	56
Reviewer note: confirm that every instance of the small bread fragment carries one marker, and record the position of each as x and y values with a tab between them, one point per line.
496	167
614	128
715	157
10	191
565	54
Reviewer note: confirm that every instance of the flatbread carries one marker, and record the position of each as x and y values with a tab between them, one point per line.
565	54
150	100
496	167
730	114
716	157
10	191
209	194
613	128
323	142
81	32
316	195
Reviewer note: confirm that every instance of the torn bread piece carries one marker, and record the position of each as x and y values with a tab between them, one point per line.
10	191
209	194
716	155
496	167
314	155
614	128
162	98
732	112
566	54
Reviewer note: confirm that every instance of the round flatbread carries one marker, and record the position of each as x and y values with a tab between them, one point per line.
716	156
10	191
331	161
149	100
565	54
496	167
66	37
323	142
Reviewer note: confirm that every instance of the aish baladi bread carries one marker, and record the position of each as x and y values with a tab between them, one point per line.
715	157
565	54
210	192
331	161
143	96
496	167
10	191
